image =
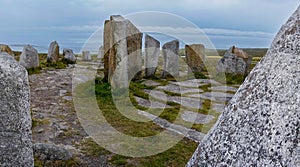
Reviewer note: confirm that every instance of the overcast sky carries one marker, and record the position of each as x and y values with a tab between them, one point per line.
246	23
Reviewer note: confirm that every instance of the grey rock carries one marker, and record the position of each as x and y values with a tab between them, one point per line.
231	64
152	51
86	55
100	52
260	125
151	83
69	55
196	118
151	104
51	152
29	57
53	52
170	54
195	57
15	126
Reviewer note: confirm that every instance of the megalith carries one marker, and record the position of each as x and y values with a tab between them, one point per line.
69	55
152	51
195	57
7	49
260	125
53	52
15	124
170	54
29	57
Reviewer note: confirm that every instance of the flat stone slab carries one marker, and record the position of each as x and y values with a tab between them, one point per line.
224	88
151	104
218	107
179	89
196	118
207	81
184	101
187	83
181	130
214	96
151	83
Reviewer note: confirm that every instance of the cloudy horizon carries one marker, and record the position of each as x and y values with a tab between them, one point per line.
248	24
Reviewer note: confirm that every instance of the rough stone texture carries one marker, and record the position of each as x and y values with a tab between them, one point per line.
170	53
195	57
118	58
50	152
15	124
260	126
106	48
151	103
196	118
29	57
152	50
69	55
231	64
86	55
6	48
53	52
134	48
100	53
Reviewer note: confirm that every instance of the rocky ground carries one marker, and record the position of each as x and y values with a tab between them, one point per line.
55	120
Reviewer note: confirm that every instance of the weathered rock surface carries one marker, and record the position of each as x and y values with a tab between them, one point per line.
100	52
6	48
51	152
29	57
231	63
53	52
86	55
15	126
260	126
69	55
170	54
195	57
152	50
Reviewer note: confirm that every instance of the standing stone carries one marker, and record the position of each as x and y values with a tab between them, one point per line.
134	49
118	58
100	53
152	50
195	57
260	125
6	48
128	57
29	57
107	46
86	55
231	63
69	56
15	124
53	52
170	53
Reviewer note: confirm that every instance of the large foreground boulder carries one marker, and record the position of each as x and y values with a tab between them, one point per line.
29	57
15	119
260	125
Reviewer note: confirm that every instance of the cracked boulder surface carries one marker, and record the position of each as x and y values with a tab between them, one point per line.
260	125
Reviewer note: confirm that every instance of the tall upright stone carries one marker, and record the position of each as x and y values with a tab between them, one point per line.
170	54
86	55
15	119
29	57
152	51
107	46
100	52
113	47
195	57
6	48
118	58
53	52
260	125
